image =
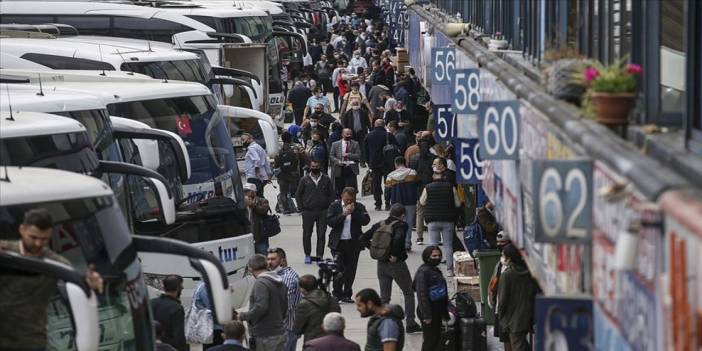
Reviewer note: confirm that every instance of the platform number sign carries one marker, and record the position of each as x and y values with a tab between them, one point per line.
498	128
469	164
445	123
443	63
466	91
562	201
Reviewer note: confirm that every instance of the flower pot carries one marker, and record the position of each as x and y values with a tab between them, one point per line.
613	108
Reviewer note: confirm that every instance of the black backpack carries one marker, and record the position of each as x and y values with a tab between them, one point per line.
465	305
288	160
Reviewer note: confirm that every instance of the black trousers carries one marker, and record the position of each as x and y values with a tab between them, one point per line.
259	185
309	220
378	187
360	137
348	252
337	103
431	333
298	113
347	178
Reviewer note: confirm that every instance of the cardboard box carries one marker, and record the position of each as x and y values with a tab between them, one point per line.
402	54
470	285
463	264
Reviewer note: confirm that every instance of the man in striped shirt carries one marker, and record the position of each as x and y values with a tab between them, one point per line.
278	263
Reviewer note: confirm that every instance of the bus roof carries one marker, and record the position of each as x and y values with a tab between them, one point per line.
112	52
25	185
52	8
25	124
27	97
113	86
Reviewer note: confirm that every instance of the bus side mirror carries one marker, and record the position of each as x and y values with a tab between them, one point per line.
166	202
148	151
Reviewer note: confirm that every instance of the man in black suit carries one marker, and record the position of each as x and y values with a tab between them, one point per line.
376	141
234	333
345	218
344	156
357	120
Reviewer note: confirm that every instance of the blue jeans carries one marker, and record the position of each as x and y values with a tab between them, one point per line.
261	247
292	341
443	230
410	216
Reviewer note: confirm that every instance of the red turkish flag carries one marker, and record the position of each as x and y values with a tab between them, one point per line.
183	125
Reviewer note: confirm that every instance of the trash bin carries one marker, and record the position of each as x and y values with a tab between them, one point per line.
487	260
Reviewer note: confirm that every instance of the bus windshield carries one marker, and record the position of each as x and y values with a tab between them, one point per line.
187	70
197	120
91	230
68	151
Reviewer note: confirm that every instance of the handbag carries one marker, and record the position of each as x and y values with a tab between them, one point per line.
199	324
270	225
438	292
367	184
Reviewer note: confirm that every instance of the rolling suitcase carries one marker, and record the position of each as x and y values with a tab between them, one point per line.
448	338
473	334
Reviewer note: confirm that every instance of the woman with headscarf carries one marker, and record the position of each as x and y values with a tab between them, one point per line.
432	298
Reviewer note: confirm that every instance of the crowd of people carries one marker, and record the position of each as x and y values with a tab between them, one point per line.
383	125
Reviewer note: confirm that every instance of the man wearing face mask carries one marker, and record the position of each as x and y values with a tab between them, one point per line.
394	268
314	195
515	298
168	311
356	62
314	100
502	241
345	155
440	202
278	263
323	120
355	94
323	69
357	120
316	150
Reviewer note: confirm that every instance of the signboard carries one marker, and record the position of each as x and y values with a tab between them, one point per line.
443	63
563	323
466	91
498	128
562	196
469	165
445	123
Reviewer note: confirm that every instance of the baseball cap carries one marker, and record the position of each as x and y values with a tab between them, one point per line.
250	187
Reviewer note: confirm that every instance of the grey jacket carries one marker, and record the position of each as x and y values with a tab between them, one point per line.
268	306
336	156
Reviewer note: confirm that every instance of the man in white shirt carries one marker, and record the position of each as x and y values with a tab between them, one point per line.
346	218
256	165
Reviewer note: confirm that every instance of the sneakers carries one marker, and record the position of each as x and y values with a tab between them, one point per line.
347	300
420	241
308	260
413	327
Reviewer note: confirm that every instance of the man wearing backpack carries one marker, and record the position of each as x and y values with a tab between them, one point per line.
310	312
379	145
288	162
386	241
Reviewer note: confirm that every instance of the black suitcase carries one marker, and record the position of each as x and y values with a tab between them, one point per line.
448	338
473	334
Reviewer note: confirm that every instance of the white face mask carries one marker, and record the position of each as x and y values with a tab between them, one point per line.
277	269
314	124
504	261
436	169
355	107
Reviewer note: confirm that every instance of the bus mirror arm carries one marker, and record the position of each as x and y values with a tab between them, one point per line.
82	302
209	267
174	142
130	169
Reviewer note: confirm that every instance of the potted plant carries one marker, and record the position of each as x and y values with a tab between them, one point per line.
612	90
